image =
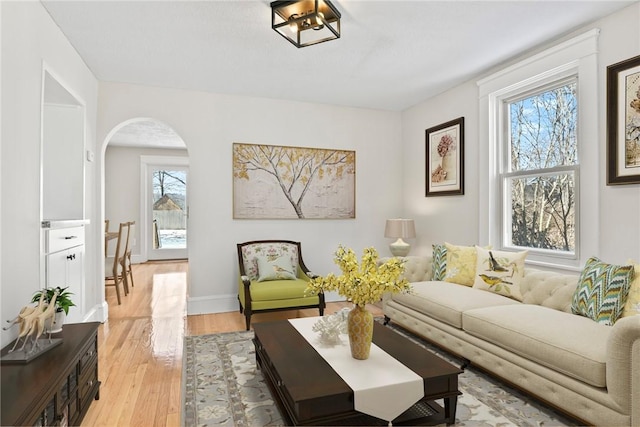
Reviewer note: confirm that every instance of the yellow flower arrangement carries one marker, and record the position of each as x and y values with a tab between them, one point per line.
363	284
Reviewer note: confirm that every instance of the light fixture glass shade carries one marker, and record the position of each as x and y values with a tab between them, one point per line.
306	22
400	229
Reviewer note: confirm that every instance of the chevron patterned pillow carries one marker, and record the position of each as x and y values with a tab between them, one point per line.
439	261
602	291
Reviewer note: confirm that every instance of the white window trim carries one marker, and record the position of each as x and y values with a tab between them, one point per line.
576	56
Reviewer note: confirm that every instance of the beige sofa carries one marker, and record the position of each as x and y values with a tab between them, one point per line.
588	370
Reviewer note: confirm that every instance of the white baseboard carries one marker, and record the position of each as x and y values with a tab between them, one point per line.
212	304
226	303
99	313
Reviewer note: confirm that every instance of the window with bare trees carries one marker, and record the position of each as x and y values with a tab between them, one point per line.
540	168
539	152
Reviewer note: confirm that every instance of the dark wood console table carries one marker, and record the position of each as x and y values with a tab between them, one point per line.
56	388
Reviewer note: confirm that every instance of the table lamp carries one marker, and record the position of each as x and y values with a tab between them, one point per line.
400	229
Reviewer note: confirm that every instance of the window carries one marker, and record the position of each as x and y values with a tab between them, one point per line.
540	169
538	146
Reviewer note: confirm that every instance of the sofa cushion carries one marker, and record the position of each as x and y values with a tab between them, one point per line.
573	345
602	291
632	306
446	301
439	261
500	272
461	264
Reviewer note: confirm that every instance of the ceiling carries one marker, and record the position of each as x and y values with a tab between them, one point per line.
391	56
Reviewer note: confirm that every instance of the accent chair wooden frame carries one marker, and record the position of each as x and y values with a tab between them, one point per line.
248	281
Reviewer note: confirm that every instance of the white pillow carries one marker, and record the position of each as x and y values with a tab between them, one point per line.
500	272
280	268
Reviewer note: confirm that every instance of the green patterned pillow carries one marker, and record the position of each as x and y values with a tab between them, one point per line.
439	262
602	291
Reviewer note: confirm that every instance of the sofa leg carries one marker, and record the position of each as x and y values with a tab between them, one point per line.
465	364
247	316
387	320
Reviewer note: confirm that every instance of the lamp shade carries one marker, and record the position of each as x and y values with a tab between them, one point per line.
305	22
400	228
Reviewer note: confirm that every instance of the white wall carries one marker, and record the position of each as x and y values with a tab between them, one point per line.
444	218
455	218
29	38
209	124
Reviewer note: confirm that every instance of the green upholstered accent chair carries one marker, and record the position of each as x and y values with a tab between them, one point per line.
262	291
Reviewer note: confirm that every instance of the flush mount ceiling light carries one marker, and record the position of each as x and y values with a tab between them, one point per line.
305	22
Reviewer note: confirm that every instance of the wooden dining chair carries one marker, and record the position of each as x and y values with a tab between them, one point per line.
125	259
113	271
106	233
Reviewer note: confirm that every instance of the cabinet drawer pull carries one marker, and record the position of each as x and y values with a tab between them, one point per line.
70	237
71	257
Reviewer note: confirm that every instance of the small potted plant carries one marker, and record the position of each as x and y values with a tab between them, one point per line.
63	302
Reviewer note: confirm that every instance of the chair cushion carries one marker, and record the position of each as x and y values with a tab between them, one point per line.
446	301
275	268
632	306
277	290
250	254
571	344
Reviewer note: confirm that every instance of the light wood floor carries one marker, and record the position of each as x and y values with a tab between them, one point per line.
140	346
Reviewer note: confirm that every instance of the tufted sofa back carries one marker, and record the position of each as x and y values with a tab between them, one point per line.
549	289
539	287
418	268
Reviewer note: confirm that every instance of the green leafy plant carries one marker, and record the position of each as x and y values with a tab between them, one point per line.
63	301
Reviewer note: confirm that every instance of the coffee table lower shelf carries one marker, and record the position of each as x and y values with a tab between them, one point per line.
423	413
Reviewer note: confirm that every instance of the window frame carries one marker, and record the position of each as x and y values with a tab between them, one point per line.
577	56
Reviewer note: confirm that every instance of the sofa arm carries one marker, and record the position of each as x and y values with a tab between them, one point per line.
623	360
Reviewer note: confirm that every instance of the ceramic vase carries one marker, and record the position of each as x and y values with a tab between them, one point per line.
54	324
360	328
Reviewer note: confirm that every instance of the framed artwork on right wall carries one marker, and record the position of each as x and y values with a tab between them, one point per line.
445	159
623	122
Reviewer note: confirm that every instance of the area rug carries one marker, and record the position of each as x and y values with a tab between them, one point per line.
221	386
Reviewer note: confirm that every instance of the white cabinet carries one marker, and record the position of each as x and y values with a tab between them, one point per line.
64	264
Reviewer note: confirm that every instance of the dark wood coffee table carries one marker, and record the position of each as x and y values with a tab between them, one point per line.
309	392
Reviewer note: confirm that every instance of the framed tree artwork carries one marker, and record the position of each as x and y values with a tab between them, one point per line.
279	182
445	159
623	122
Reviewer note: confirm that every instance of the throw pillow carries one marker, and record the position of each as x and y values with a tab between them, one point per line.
439	262
500	272
632	306
275	268
461	264
602	291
